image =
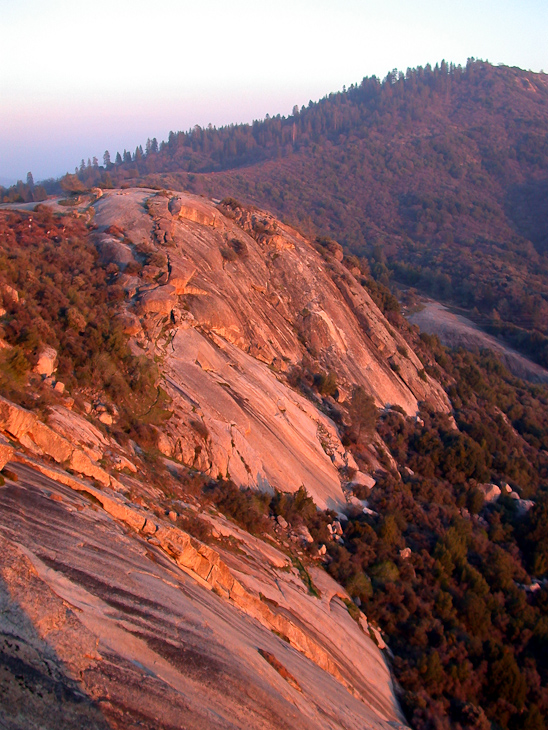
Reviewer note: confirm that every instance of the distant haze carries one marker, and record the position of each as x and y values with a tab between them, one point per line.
79	78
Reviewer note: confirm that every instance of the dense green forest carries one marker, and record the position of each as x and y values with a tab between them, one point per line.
438	175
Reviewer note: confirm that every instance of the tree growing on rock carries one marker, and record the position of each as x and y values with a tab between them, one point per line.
71	184
363	412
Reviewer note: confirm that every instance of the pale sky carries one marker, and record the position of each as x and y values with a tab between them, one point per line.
78	77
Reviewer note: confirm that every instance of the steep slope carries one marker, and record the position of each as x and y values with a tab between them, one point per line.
106	626
232	301
127	599
439	174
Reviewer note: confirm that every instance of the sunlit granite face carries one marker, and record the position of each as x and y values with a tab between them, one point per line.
100	628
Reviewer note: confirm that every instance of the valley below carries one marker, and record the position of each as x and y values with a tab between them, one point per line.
456	330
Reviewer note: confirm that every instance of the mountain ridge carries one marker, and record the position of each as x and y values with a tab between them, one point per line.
172	353
421	173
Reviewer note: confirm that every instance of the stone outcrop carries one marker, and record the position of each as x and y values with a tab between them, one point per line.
230	303
41	440
47	361
6	452
206	566
117	618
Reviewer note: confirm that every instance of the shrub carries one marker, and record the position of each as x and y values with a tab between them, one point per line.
363	412
239	247
247	507
326	384
228	253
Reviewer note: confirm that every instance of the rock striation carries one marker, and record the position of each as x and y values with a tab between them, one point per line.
42	440
112	612
231	301
112	617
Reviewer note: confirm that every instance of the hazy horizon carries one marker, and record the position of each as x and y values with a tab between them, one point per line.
82	79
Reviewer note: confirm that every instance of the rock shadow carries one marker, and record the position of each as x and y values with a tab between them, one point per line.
526	205
35	687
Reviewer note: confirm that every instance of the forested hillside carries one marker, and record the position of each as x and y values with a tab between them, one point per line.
439	176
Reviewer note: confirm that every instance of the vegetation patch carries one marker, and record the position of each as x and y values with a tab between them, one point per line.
305	577
66	299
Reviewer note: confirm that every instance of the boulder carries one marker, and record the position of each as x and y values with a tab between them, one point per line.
81	463
304	534
129	323
491	492
164	231
121	462
160	300
112	251
174	206
47	361
355	505
9	294
337	528
130	284
180	274
363	480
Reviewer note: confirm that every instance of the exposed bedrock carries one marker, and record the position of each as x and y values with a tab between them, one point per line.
229	301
